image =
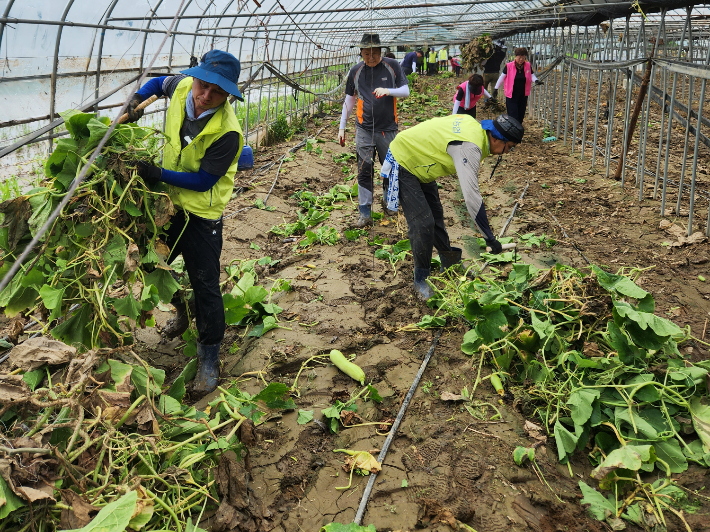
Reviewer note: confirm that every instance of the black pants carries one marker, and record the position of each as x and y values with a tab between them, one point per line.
425	217
407	70
201	246
469	112
516	107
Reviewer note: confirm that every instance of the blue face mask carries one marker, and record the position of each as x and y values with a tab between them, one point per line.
488	126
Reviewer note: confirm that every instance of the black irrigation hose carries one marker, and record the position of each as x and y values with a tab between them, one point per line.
390	437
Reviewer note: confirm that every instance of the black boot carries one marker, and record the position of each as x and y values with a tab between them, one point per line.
449	258
421	287
207	368
179	324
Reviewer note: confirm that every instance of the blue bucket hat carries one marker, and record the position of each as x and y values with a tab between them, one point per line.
220	68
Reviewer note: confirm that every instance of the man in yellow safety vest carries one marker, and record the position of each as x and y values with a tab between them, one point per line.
418	156
204	140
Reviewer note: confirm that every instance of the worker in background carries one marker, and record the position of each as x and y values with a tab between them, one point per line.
491	66
468	94
436	148
374	85
204	140
421	61
390	55
444	59
517	79
431	62
456	66
409	63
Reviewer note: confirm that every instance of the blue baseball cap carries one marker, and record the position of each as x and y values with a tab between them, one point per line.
220	68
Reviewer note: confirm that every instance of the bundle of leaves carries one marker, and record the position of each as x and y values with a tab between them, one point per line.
586	355
475	52
103	257
102	443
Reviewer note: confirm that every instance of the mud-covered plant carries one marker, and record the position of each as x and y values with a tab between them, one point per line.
521	454
104	257
476	51
394	253
587	355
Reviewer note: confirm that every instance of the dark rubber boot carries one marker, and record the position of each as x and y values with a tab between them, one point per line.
423	290
179	324
207	368
365	218
449	258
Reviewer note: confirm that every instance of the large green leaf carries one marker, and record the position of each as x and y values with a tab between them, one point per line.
471	342
114	517
127	306
618	340
619	283
75	331
164	282
275	390
647	321
700	414
52	299
139	378
630	457
40	213
566	441
622	416
9	502
670	452
599	505
544	329
115	251
580	403
489	319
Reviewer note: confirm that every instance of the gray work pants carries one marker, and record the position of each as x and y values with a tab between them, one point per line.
425	217
367	143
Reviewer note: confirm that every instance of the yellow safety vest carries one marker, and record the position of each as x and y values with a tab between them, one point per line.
209	204
421	149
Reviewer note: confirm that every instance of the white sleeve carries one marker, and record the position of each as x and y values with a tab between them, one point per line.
486	93
348	105
414	65
457	103
400	92
534	78
500	80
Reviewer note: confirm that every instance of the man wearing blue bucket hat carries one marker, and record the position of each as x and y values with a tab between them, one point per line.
204	140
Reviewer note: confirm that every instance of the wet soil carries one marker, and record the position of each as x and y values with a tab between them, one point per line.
456	467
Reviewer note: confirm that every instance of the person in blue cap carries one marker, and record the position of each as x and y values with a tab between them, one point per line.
418	156
204	140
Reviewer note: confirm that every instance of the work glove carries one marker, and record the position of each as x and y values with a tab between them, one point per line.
538	82
381	92
135	114
341	137
150	173
495	246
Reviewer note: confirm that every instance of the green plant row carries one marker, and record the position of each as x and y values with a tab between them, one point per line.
585	354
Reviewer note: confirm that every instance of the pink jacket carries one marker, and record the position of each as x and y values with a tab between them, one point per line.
510	71
470	100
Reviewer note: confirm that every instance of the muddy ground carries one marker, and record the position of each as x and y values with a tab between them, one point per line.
455	466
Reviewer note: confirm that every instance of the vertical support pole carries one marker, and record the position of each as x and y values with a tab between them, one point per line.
644	129
627	108
562	85
571	47
698	126
612	105
691	89
664	82
670	122
576	92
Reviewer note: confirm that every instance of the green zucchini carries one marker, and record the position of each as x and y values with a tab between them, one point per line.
347	367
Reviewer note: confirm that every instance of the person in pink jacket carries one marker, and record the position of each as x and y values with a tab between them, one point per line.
517	79
468	94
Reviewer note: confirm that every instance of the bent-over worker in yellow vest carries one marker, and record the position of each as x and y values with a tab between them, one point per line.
418	156
204	140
